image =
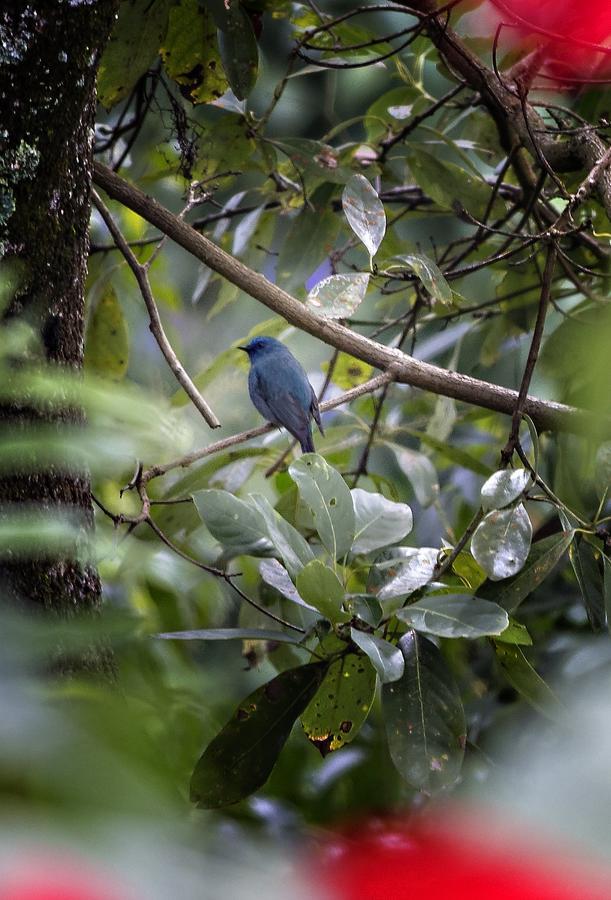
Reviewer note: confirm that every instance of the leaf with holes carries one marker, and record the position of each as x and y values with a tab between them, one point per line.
455	616
365	212
241	757
190	53
424	718
378	521
338	296
341	705
501	542
328	497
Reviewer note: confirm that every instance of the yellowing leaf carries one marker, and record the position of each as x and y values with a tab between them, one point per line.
107	346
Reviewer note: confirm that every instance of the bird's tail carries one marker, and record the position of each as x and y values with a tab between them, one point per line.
307	442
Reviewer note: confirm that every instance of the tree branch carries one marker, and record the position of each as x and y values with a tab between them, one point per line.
141	275
406	370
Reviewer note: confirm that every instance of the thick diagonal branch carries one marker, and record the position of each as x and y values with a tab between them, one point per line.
406	370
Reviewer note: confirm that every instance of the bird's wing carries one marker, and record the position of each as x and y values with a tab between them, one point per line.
278	404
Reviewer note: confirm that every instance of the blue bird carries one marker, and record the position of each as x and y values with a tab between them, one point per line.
280	390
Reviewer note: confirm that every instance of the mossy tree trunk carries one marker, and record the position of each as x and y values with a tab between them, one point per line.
49	54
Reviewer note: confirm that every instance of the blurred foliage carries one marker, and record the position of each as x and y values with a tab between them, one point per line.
402	661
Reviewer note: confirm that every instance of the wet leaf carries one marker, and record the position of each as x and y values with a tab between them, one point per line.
365	212
455	616
338	296
501	542
424	718
386	658
328	497
503	487
335	715
378	521
241	757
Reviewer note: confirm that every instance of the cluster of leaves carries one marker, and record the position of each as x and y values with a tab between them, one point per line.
414	162
369	611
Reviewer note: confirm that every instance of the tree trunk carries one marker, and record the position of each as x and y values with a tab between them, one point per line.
49	53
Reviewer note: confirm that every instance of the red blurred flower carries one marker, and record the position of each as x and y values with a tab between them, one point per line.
573	33
390	860
46	878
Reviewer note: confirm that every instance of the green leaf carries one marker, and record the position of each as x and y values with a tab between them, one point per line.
274	574
378	521
602	467
338	296
501	542
107	344
233	522
321	588
420	472
503	487
590	580
231	634
455	616
525	679
424	718
448	184
341	705
515	633
190	52
237	45
309	240
403	571
386	659
292	547
430	275
365	212
132	47
241	757
542	559
328	497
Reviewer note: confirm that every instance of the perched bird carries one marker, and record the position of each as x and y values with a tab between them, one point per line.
280	390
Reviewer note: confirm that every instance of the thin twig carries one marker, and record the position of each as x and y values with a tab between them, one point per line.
141	275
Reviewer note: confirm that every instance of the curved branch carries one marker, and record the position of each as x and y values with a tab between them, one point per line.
406	370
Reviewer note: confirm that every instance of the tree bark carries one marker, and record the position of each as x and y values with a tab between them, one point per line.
49	53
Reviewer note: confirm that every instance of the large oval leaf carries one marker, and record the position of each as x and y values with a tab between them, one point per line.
274	574
455	616
430	275
420	472
328	496
503	487
501	542
190	52
233	522
335	715
241	757
424	718
365	212
237	46
339	296
378	522
403	571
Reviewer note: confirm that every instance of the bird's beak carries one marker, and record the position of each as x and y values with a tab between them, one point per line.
245	349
